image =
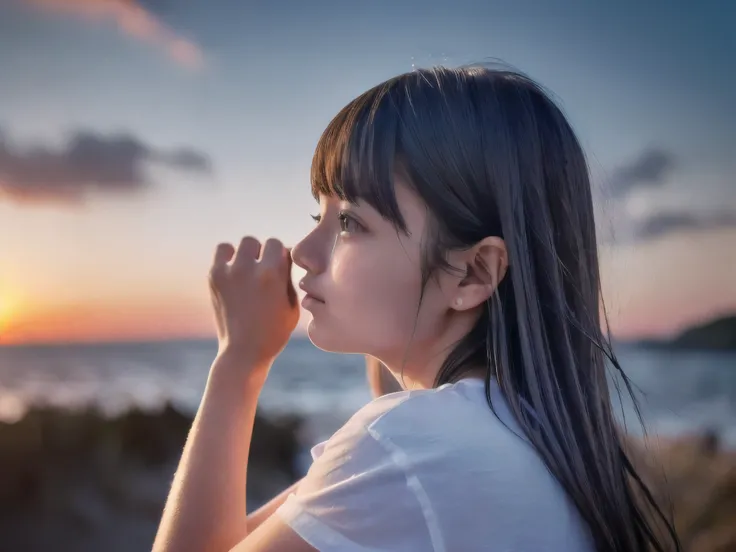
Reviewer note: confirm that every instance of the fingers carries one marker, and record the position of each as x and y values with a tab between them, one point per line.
223	254
275	259
248	252
273	255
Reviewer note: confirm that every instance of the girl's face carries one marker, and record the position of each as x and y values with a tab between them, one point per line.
366	281
367	278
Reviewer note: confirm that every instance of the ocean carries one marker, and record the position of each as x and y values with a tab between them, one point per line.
678	391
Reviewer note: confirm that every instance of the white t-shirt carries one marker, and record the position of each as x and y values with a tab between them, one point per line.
433	470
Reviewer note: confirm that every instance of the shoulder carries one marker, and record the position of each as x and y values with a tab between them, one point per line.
355	487
430	460
454	413
388	437
392	415
448	436
451	432
386	413
354	439
383	406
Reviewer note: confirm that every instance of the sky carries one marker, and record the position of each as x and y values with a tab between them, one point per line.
137	134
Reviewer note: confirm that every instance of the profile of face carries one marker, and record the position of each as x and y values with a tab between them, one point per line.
365	277
364	283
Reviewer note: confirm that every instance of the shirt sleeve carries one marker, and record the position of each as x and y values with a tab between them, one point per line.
355	498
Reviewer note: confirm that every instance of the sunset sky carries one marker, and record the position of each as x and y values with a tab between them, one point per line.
137	134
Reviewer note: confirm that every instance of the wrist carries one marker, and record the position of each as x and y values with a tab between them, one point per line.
235	367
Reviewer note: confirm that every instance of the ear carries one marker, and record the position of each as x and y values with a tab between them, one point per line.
486	264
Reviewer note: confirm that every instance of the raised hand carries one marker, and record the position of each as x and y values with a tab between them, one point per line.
254	300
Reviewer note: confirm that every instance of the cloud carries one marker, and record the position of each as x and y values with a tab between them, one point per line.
134	20
667	223
89	162
649	170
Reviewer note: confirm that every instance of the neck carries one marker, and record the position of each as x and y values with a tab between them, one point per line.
418	367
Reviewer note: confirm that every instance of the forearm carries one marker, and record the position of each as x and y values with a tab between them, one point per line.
268	509
205	510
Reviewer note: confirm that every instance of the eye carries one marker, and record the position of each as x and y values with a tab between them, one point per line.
348	224
316	218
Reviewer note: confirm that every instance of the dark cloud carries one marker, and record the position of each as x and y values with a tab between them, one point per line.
89	162
666	223
649	170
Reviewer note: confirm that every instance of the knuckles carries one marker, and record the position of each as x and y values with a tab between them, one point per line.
245	260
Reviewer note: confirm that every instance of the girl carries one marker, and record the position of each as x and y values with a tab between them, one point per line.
455	243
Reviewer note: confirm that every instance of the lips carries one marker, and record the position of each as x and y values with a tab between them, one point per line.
310	291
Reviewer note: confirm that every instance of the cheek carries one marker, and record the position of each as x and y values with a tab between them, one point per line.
374	296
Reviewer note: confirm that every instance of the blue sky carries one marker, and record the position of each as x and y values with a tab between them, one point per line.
202	117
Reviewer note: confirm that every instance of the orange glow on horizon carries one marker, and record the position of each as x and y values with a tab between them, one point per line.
12	305
94	323
179	320
111	323
7	310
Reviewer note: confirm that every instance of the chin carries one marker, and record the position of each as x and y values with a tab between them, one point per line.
328	340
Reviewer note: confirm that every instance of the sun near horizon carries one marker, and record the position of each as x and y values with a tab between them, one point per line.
7	313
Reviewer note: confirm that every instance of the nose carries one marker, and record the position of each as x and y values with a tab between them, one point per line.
307	254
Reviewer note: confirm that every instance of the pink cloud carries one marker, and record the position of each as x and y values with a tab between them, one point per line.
133	20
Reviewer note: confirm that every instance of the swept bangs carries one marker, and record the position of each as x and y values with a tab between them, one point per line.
356	156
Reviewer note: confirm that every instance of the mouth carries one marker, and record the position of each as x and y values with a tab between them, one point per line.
310	301
310	297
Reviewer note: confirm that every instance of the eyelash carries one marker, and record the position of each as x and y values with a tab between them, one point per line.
343	217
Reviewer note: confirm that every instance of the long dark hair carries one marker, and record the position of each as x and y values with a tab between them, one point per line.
491	154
